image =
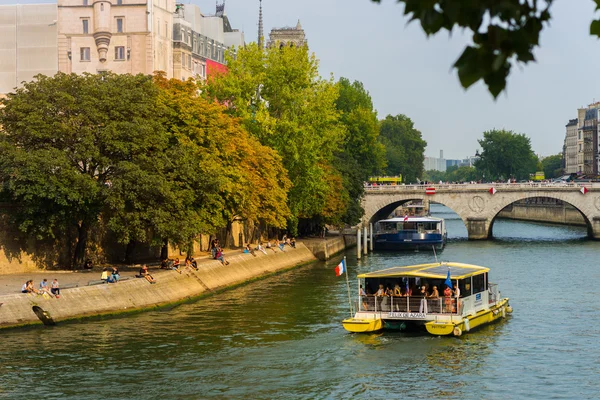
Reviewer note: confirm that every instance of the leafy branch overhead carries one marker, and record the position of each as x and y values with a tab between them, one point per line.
503	32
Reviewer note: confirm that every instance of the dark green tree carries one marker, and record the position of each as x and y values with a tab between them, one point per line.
361	155
552	166
66	142
506	154
503	33
404	146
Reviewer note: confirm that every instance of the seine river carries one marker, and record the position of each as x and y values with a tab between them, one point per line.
282	338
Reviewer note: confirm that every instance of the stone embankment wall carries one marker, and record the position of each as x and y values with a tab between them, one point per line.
138	294
324	249
564	214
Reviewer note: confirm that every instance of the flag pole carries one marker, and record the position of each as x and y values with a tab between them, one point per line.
348	286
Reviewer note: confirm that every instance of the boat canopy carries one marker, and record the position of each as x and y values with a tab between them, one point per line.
412	219
433	271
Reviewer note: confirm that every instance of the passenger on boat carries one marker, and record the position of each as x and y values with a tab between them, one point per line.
423	305
397	293
448	299
434	293
363	296
380	292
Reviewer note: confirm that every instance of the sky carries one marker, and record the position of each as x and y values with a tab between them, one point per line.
408	73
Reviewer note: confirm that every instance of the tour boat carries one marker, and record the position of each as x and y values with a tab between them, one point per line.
410	232
405	301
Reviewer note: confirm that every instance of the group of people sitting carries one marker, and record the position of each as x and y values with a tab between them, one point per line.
110	277
52	290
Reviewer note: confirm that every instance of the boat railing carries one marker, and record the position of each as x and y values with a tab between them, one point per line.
409	304
493	293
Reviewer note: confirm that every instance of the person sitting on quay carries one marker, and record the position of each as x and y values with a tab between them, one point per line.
28	287
115	274
261	248
214	246
145	274
279	244
221	257
270	246
249	250
191	263
44	287
55	288
88	264
106	277
293	243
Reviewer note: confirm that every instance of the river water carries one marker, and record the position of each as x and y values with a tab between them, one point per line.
281	337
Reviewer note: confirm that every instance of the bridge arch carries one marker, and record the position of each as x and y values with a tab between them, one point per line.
497	211
478	205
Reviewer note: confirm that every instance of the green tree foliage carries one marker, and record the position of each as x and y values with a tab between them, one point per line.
506	154
454	174
67	141
147	158
405	148
278	95
361	155
552	166
221	171
503	32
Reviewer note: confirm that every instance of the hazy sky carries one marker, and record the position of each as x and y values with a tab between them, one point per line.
410	74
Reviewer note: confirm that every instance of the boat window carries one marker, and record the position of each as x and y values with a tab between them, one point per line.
420	228
479	283
465	287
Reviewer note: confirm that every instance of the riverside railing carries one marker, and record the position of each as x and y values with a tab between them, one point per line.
481	186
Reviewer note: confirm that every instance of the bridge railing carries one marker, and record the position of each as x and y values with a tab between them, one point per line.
482	186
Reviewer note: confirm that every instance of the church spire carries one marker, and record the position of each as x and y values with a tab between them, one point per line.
261	36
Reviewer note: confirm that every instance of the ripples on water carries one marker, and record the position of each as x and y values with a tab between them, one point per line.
282	338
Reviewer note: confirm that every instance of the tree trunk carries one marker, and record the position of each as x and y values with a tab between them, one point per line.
129	250
164	250
82	238
228	234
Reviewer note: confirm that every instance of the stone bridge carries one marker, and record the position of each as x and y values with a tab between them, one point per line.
479	204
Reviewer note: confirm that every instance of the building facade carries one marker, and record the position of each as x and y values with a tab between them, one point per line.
570	147
122	36
28	43
293	37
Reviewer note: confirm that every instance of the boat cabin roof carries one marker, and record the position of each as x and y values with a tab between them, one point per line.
412	219
433	271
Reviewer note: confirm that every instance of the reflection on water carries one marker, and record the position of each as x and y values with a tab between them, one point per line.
282	338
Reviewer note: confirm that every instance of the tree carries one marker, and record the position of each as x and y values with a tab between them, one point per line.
67	140
361	155
506	154
278	95
503	32
405	148
552	166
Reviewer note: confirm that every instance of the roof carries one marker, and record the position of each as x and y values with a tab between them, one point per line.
412	219
433	271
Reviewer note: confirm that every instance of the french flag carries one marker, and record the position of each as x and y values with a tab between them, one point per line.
341	268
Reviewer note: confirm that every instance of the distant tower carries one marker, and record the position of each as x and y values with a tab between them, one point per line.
288	36
260	27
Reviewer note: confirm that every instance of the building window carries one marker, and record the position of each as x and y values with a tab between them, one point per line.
119	53
189	62
166	30
85	25
84	53
101	6
85	2
120	25
119	2
158	27
579	135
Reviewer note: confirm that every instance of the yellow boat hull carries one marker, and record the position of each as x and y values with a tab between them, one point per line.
357	325
483	317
